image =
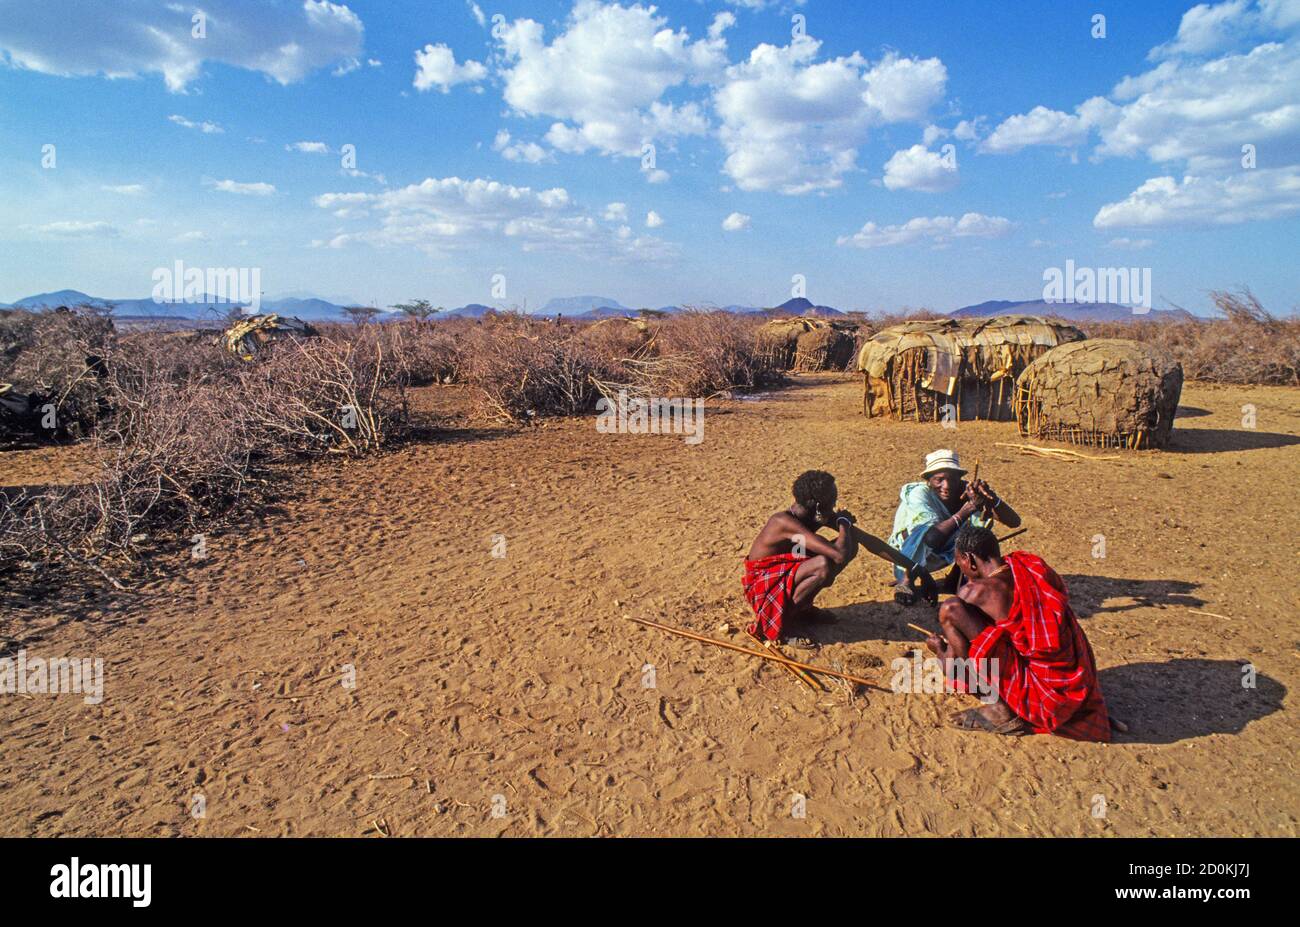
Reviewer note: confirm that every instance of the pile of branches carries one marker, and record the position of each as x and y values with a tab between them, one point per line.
55	358
525	369
192	433
1248	345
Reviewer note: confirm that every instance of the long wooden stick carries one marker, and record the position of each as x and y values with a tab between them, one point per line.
796	673
1008	537
1058	450
804	676
757	653
917	627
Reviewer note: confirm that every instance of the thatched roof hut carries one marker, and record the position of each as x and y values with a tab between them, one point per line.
806	343
916	369
1109	393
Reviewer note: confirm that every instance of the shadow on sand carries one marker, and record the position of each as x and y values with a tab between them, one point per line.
1090	595
1163	703
1219	440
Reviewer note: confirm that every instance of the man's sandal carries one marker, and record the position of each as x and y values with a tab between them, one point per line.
814	615
903	595
972	720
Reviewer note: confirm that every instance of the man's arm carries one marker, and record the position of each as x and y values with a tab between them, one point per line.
847	542
813	544
992	503
839	551
936	536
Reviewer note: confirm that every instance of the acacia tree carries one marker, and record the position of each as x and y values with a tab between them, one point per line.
361	314
421	310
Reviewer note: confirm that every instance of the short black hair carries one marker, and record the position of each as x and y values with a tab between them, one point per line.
813	486
977	541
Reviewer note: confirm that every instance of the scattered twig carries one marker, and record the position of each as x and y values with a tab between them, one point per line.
756	653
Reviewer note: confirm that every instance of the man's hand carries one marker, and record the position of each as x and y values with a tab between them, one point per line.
846	514
937	645
985	493
978	496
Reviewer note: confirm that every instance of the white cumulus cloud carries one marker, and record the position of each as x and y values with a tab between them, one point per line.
435	66
441	214
1264	193
917	168
71	38
936	230
793	124
528	152
735	222
603	77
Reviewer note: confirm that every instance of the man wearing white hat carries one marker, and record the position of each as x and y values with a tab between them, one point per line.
931	510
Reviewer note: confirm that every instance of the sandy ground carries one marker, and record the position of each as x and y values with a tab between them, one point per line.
506	695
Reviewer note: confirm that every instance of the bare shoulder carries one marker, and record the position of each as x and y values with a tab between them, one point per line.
977	592
992	595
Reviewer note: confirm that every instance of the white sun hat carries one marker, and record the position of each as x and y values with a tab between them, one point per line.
944	459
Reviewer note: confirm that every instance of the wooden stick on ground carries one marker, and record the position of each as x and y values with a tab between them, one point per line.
762	655
1057	451
796	673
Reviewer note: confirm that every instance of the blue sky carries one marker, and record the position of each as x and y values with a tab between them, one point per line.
512	141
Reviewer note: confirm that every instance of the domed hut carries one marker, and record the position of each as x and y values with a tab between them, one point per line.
806	343
1110	392
954	369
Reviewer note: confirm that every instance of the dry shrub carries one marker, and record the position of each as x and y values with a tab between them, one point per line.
191	431
705	353
528	368
1249	345
525	369
53	357
622	337
419	352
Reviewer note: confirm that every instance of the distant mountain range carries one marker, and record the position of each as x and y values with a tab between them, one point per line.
302	307
584	305
305	306
1072	312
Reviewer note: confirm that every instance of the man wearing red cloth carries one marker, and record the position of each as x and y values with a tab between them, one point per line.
789	563
1013	624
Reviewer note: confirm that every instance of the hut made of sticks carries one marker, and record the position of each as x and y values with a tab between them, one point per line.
944	369
1110	392
806	343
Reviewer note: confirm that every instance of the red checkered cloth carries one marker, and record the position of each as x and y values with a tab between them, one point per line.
769	589
1046	671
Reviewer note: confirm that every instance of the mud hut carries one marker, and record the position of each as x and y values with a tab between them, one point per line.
805	343
624	336
1108	393
944	369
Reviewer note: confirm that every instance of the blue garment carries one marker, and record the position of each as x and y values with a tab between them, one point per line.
920	509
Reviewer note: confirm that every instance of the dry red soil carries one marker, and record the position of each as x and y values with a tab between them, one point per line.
505	695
